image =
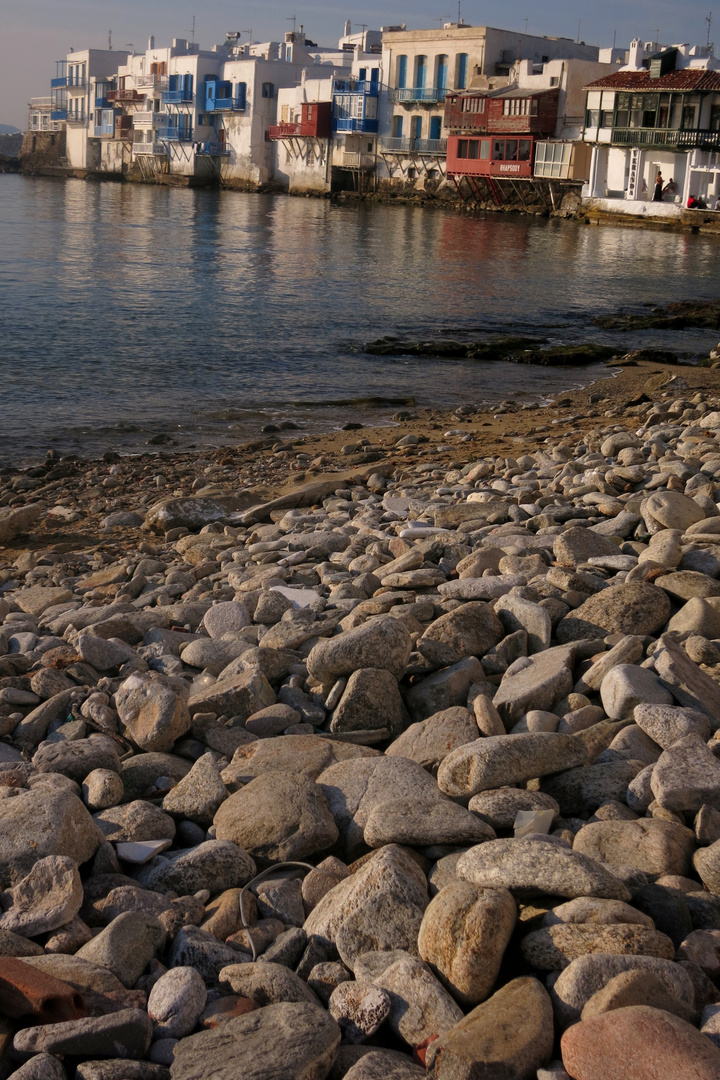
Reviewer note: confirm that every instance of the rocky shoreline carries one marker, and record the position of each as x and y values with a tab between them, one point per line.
457	680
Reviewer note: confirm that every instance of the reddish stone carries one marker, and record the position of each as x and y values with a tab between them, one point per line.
639	1043
226	1008
420	1051
25	991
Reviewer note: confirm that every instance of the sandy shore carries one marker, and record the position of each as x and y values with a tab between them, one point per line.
87	491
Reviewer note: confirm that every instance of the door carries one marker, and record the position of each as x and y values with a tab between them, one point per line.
416	128
420	72
435	127
442	72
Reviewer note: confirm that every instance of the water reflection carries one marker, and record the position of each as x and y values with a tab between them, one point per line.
130	309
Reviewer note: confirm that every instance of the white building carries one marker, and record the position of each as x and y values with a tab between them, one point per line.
326	137
660	114
421	66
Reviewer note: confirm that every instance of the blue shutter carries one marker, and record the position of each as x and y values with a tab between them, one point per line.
435	127
401	72
462	71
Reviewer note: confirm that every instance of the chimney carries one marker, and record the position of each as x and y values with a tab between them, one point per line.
348	28
636	54
151	41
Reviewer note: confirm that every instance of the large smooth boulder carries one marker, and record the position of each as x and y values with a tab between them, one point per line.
463	937
382	642
153	711
639	1042
649	844
633	607
277	818
42	822
508	1037
536	682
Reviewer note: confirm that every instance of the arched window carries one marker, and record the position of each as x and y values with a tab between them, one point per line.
401	73
420	71
462	71
442	72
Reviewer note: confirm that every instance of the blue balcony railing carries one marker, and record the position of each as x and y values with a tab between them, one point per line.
414	146
177	97
62	80
58	114
427	94
224	104
175	134
352	124
101	102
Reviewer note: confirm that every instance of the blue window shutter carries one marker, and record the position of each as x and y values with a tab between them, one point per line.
435	127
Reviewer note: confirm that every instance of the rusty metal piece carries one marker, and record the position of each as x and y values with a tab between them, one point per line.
26	991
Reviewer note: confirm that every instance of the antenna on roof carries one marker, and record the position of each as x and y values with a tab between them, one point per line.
579	25
109	40
193	31
293	20
708	20
526	23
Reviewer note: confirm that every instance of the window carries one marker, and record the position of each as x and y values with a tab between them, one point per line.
288	53
442	72
411	173
416	127
401	74
592	119
485	148
397	127
362	74
689	113
420	71
606	118
554	80
462	71
462	148
498	151
435	127
473	148
511	150
715	117
553	160
524	149
268	90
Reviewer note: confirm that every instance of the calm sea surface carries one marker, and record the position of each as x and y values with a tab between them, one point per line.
128	311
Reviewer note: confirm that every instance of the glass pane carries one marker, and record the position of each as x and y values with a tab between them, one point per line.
525	149
485	148
473	147
511	150
498	149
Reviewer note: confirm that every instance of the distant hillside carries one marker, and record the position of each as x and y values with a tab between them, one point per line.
8	129
10	145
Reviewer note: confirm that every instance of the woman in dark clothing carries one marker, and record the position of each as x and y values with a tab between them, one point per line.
658	196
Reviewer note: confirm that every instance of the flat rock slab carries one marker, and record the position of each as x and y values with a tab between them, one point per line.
120	1034
689	685
288	1041
554	948
498	760
531	867
536	682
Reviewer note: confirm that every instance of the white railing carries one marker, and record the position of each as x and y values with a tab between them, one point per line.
40	103
353	160
152	82
158	119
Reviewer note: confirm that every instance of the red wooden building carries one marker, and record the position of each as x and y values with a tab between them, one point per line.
493	133
315	122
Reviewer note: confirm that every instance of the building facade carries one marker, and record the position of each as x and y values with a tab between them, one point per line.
422	67
660	114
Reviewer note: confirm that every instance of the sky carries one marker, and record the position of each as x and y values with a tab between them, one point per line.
35	33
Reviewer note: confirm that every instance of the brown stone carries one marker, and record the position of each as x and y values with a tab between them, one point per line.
638	1042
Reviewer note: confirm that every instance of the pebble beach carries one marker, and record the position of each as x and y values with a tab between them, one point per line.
390	752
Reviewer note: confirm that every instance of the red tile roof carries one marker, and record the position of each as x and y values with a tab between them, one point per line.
684	79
